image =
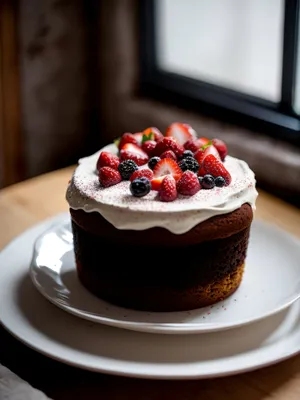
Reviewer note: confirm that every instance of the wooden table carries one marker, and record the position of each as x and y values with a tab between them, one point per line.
29	202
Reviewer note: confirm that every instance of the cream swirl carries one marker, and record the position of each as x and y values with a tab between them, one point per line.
124	211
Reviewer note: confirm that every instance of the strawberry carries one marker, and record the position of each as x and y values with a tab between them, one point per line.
149	146
131	151
169	143
203	152
169	154
181	132
166	166
144	172
188	184
126	138
154	133
201	171
195	144
156	182
109	176
213	166
139	137
107	159
168	191
221	147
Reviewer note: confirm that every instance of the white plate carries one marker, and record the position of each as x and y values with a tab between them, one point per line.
271	283
75	341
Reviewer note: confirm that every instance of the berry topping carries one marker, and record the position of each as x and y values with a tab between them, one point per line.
168	191
169	143
200	179
153	161
107	159
126	138
188	184
167	166
189	163
144	172
152	131
139	137
169	154
181	132
195	144
187	153
205	151
215	167
208	182
133	152
221	147
139	187
220	181
148	146
109	176
127	168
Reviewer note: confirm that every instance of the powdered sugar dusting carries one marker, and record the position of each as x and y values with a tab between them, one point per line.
125	211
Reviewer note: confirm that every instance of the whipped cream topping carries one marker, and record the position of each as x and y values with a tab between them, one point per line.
124	211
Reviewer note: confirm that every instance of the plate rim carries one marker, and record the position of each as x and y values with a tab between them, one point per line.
159	328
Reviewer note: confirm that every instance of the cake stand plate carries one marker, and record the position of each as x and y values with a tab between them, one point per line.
271	283
97	347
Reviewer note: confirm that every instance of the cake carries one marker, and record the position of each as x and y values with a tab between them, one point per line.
161	222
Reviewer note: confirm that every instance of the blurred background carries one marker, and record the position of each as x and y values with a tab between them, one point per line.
76	74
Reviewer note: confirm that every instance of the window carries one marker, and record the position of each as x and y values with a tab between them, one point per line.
236	60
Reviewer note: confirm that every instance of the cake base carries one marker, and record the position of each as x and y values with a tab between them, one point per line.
158	300
161	277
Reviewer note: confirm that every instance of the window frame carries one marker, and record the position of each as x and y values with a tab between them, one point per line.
278	119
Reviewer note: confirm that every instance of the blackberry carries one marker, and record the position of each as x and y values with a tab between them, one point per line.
139	187
220	181
153	161
189	163
127	168
187	153
208	182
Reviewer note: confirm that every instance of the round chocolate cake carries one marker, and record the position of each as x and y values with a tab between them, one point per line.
162	232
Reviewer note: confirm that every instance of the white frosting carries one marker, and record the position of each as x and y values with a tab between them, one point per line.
124	211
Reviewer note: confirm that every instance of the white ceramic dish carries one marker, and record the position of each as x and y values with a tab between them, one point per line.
271	283
76	341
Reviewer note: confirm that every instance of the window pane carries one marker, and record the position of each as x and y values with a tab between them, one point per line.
297	89
232	43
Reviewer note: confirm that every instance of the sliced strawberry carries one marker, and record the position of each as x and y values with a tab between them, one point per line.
213	166
149	146
133	152
195	144
107	159
169	143
109	176
154	133
181	132
166	166
202	153
139	137
168	191
169	154
188	184
221	147
144	172
127	138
